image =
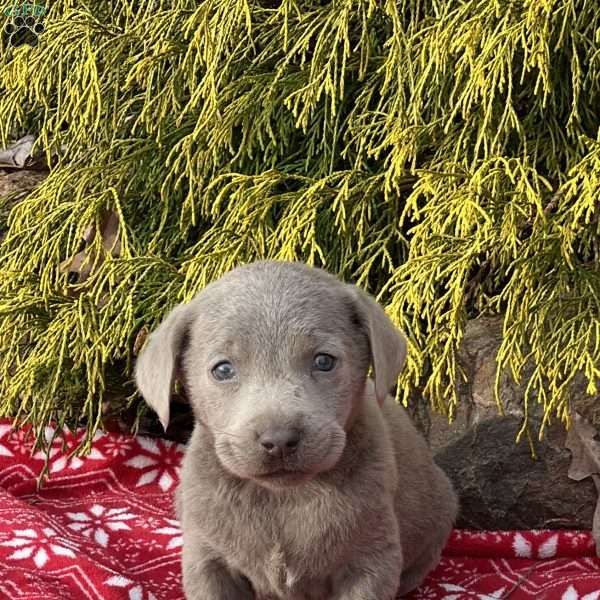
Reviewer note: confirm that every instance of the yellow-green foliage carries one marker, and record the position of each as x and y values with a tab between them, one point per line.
444	153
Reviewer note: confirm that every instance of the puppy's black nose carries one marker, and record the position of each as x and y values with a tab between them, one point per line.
280	441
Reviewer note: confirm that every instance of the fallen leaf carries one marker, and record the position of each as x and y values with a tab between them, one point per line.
140	338
86	261
17	154
585	462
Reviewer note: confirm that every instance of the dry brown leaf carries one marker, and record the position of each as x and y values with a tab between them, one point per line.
110	234
585	462
140	339
86	261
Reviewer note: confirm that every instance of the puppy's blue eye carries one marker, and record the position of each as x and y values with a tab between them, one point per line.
324	362
223	371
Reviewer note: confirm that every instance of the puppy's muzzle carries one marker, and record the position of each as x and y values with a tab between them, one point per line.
280	442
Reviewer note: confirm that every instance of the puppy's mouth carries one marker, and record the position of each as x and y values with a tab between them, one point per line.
282	475
316	456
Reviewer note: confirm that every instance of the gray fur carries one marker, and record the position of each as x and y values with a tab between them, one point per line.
364	512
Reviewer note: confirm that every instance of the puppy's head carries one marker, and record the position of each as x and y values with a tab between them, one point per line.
275	365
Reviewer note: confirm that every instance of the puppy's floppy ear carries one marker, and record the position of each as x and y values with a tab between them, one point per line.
156	365
388	345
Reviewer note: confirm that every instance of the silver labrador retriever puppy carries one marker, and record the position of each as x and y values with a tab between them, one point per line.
303	479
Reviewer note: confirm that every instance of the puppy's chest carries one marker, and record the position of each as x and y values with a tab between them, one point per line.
282	577
280	556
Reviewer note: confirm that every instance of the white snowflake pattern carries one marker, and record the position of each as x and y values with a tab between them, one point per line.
524	548
174	531
30	543
572	594
457	592
116	445
449	565
58	453
160	462
426	593
172	580
97	520
469	572
135	590
148	522
578	538
20	441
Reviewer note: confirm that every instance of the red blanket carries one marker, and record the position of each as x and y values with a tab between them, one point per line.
103	527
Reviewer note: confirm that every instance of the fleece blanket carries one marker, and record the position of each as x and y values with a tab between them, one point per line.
103	527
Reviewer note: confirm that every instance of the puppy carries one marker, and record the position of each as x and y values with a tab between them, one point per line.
303	479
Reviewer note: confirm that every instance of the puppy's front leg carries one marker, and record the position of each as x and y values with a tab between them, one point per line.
207	577
374	575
